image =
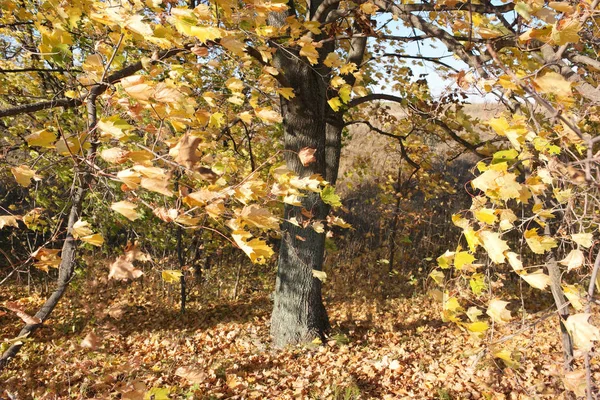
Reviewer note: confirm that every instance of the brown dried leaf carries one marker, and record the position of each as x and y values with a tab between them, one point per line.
191	374
307	156
14	307
91	341
122	269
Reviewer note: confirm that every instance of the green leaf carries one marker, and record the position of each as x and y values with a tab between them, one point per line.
329	197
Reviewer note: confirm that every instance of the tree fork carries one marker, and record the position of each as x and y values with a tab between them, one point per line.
66	269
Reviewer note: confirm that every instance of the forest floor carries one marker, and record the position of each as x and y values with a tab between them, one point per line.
126	340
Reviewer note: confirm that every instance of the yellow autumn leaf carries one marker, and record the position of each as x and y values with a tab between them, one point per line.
171	275
445	260
332	60
573	260
335	103
554	83
487	33
507	357
494	245
498	312
437	276
310	52
583	239
130	178
81	228
286	92
42	138
127	209
566	31
137	87
136	24
268	115
320	275
514	261
157	185
539	244
259	217
561	6
114	155
477	327
575	296
234	84
9	220
318	227
582	332
507	217
95	239
369	8
486	215
462	258
537	279
471	238
576	382
23	175
258	250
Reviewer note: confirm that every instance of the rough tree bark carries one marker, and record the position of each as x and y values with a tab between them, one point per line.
299	314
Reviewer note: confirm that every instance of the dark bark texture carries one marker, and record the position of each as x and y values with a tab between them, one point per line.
299	314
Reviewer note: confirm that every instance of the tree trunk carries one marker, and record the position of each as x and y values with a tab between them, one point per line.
298	314
298	311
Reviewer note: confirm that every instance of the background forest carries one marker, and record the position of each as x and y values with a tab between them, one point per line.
329	199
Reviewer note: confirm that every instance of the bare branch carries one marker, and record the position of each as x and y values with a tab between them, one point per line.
436	60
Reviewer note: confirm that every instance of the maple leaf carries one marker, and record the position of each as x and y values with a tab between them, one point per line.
123	269
171	276
583	239
539	244
136	24
14	307
307	156
582	332
259	217
268	115
191	374
9	220
127	209
575	381
462	258
91	341
537	279
555	83
23	175
566	31
494	245
287	92
114	155
46	258
186	150
573	260
157	185
320	275
498	312
258	250
130	178
42	138
514	261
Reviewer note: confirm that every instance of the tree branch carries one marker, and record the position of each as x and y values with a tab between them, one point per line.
384	133
423	58
98	88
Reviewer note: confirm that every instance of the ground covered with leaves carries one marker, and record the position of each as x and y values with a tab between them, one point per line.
129	341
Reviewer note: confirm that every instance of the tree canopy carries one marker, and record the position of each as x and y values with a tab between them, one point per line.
228	117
